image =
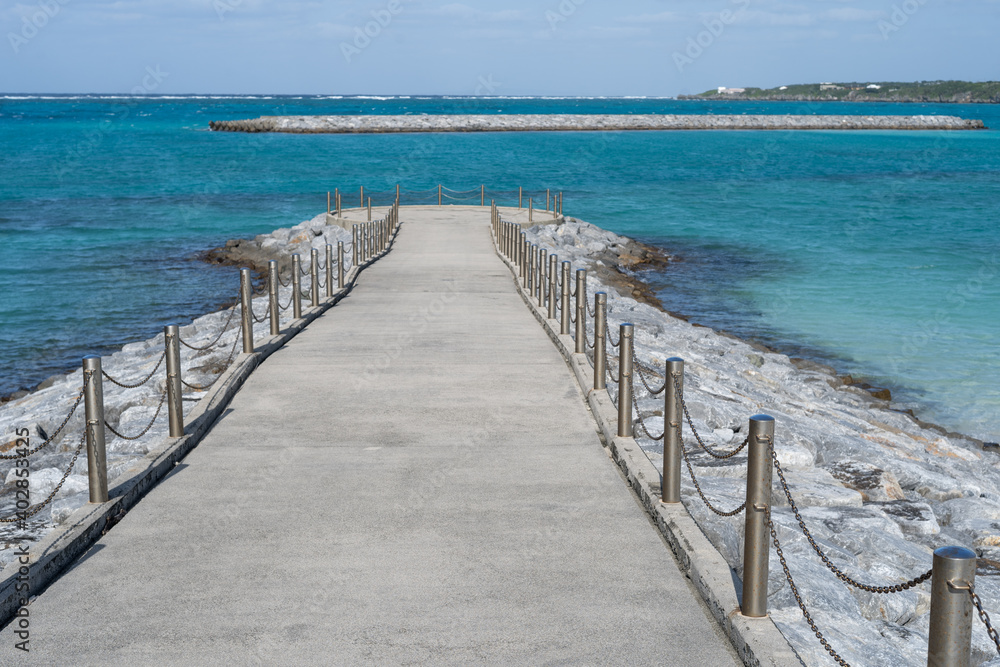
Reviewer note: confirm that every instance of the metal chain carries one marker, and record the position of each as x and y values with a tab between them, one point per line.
282	283
212	344
48	440
798	598
262	318
898	588
144	431
642	423
607	334
287	305
302	270
697	436
697	487
137	384
985	618
27	514
638	367
229	361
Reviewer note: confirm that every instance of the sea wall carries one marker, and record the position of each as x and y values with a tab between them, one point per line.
878	489
585	122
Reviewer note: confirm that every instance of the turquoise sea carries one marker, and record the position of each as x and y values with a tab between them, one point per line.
878	252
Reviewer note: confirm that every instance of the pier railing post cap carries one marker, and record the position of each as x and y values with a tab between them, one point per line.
762	418
675	359
955	553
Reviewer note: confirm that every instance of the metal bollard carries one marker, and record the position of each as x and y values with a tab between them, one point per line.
482	195
546	199
523	252
97	459
175	404
600	324
272	296
949	642
314	276
516	243
369	209
246	308
553	279
756	534
581	311
296	287
339	209
531	210
530	277
340	264
543	261
625	381
362	196
354	245
560	203
439	195
328	202
673	423
565	312
329	270
520	197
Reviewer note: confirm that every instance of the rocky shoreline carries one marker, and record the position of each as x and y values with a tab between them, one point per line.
586	122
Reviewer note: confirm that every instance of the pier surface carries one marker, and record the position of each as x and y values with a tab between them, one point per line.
413	479
587	122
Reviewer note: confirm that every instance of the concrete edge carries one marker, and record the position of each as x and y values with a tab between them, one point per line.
56	552
758	641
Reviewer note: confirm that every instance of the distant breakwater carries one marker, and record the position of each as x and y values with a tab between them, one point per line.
586	122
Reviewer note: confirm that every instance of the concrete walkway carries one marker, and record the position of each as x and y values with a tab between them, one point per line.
414	479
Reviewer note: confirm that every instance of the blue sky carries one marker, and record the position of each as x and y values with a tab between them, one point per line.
545	47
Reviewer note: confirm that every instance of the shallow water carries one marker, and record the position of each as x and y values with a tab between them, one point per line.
877	250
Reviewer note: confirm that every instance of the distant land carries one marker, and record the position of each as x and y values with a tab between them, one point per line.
957	92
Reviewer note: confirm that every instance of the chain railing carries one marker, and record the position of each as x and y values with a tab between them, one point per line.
376	238
953	568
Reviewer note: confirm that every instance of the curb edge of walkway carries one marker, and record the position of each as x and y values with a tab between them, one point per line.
59	550
758	641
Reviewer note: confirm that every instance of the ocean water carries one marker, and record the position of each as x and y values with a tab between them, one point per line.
878	252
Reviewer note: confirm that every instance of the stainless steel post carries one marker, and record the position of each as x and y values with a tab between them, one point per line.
362	200
175	402
581	311
560	203
354	245
329	270
673	427
625	381
949	642
600	324
93	403
296	286
328	202
533	259
397	191
756	536
369	209
439	195
272	296
546	199
515	243
553	279
246	308
543	261
520	197
340	264
482	195
523	255
339	209
314	277
565	311
531	210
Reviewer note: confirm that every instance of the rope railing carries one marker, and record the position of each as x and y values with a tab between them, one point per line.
953	565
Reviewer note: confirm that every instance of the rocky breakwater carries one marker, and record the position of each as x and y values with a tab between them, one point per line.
129	410
878	489
586	122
